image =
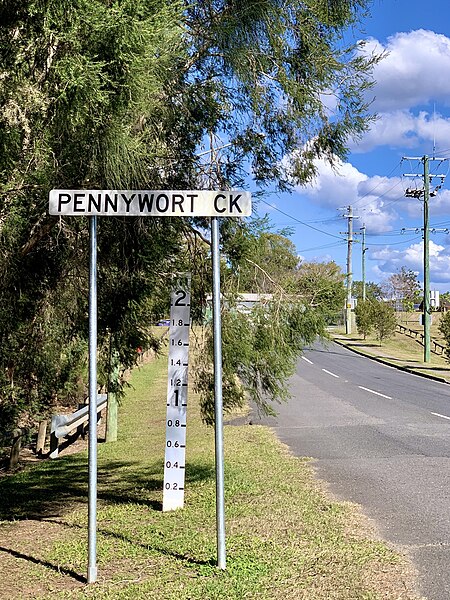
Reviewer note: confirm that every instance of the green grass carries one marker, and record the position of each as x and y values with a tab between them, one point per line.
400	350
285	538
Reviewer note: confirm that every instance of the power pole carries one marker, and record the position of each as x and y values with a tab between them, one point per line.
426	261
425	194
363	260
348	307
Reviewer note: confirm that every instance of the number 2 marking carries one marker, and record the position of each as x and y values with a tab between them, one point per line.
182	296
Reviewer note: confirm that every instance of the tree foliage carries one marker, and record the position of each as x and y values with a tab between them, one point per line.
260	350
444	330
266	67
365	317
384	321
403	287
123	94
378	316
373	290
270	261
321	287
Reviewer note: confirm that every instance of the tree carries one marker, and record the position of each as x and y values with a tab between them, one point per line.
403	288
122	94
384	321
264	68
270	260
444	330
321	286
365	313
260	350
76	84
373	290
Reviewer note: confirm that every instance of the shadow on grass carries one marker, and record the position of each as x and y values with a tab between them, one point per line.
363	344
128	540
49	490
44	563
52	488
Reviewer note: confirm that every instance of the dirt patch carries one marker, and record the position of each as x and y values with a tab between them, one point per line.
24	571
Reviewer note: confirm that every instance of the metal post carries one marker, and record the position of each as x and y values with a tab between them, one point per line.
218	404
426	263
92	511
363	229
348	310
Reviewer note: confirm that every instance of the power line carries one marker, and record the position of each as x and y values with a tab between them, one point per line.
370	192
299	221
417	237
325	246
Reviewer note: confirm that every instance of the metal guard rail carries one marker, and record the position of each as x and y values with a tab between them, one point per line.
62	425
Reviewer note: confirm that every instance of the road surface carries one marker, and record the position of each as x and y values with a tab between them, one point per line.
380	437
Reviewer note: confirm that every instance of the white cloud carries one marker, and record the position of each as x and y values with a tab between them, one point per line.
334	187
413	73
415	70
403	129
390	261
374	198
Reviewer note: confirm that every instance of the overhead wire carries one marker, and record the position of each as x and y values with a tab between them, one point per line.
375	187
325	246
300	221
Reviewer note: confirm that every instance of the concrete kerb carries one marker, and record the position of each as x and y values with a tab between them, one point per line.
386	361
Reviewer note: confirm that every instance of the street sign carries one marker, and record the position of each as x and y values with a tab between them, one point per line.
177	393
142	203
159	203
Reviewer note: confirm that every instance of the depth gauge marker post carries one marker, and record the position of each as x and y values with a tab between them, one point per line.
151	203
177	394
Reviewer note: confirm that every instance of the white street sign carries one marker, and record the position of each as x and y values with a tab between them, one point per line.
135	203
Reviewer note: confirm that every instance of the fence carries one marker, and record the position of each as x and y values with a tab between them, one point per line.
63	425
419	337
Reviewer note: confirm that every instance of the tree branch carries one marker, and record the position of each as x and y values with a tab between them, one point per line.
39	231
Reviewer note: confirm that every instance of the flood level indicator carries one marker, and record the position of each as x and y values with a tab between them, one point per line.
177	394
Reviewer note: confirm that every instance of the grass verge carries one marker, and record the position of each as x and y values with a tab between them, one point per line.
285	538
400	350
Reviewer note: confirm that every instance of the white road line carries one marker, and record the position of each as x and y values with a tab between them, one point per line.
330	373
307	360
442	416
374	392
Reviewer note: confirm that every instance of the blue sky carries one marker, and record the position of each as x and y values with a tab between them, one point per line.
412	100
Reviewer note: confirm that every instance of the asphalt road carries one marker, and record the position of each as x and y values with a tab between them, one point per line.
380	437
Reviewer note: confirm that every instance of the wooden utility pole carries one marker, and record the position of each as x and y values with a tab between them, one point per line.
426	261
424	193
363	260
348	311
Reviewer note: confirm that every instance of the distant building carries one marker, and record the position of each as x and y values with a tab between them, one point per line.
244	303
434	299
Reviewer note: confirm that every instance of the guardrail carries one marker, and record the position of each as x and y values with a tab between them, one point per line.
63	425
419	337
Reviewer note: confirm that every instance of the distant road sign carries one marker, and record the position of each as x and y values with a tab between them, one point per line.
200	203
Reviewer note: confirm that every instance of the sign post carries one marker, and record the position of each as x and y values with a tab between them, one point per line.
157	203
218	404
92	448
